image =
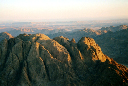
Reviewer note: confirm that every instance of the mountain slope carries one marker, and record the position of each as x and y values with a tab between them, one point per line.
115	45
37	60
5	35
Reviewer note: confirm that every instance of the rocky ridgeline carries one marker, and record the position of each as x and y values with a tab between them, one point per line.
5	35
37	60
114	29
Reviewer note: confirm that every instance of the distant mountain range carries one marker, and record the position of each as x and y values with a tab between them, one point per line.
16	32
78	34
37	60
88	32
114	29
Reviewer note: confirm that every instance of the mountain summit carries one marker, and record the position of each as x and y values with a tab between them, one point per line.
37	60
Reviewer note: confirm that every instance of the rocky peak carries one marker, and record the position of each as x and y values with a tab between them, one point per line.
88	41
33	37
90	48
62	40
73	40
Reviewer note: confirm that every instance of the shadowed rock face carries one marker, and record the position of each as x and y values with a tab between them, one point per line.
37	60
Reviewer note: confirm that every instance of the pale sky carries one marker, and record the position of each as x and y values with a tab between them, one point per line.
54	10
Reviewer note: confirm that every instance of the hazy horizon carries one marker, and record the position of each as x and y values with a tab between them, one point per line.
58	10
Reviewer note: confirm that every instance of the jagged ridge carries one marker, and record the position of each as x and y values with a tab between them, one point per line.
33	60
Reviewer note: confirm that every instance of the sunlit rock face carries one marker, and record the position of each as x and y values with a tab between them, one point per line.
37	60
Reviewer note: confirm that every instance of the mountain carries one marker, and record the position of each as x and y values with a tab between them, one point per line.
16	32
77	34
88	32
37	60
112	40
115	45
114	29
5	35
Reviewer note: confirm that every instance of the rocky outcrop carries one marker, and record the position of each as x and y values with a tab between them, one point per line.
5	35
37	60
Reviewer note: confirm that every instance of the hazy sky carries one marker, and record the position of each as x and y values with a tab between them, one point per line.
34	10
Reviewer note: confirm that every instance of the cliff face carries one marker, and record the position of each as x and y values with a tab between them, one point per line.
34	60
